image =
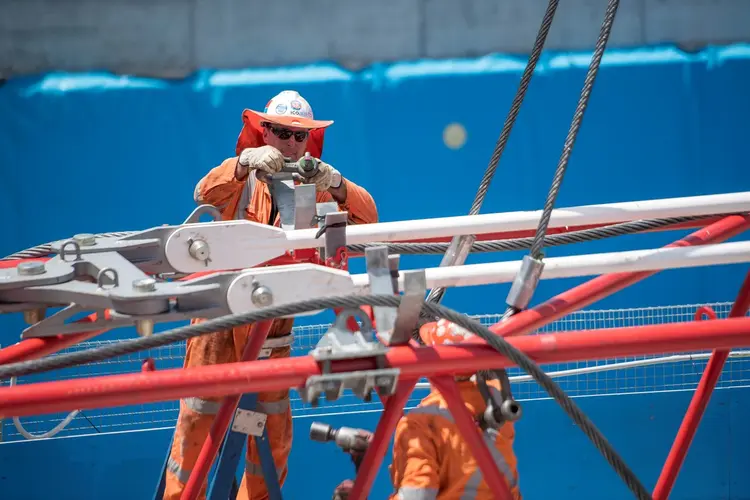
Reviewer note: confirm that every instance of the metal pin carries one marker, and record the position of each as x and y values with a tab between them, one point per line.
144	285
199	250
261	296
85	239
34	316
31	268
144	327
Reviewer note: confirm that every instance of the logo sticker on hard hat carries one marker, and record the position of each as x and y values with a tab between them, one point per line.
280	109
296	105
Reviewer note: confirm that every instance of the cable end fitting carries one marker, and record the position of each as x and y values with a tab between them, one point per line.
525	283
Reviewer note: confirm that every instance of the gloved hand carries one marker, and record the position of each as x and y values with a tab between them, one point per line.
342	490
323	178
265	158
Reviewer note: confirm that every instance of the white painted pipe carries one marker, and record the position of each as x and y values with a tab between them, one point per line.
519	221
242	244
583	265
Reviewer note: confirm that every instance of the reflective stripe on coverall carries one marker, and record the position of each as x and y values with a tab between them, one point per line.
248	199
431	460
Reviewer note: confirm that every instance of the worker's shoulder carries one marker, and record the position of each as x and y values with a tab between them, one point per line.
231	160
430	411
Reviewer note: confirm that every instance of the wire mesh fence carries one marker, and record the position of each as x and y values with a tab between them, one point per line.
616	376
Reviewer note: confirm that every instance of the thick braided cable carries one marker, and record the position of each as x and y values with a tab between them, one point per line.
460	243
226	322
583	101
46	248
581	236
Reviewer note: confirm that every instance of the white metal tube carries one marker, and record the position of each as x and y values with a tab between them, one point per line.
519	221
616	366
242	244
583	265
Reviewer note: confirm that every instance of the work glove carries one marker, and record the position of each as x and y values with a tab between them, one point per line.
265	158
323	178
342	490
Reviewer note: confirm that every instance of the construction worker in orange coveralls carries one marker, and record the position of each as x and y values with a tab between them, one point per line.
431	460
286	128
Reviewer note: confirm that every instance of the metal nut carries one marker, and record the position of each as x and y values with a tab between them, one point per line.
85	239
262	296
32	268
144	285
199	250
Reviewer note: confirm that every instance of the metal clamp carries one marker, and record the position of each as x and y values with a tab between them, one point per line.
340	343
394	326
525	283
334	228
499	409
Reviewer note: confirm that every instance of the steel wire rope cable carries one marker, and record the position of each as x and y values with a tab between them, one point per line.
575	125
588	427
562	166
538	241
459	244
226	322
581	236
46	248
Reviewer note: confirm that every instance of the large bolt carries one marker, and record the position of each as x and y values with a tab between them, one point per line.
144	285
32	268
85	239
33	316
261	296
144	327
199	250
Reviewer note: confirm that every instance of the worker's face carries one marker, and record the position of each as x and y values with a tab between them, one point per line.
291	141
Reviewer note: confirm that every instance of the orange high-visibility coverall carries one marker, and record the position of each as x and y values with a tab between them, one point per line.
431	460
250	199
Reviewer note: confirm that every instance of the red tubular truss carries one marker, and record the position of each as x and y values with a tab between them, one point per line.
207	455
698	404
436	363
413	362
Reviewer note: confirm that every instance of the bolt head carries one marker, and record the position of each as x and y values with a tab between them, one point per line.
32	268
199	250
144	285
85	239
262	296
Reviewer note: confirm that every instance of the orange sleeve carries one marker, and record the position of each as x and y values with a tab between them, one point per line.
359	204
219	187
414	471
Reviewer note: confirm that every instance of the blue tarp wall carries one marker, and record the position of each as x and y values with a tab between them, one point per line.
97	153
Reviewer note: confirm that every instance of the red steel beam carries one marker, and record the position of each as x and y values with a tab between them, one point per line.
392	411
207	455
43	346
289	373
467	426
603	286
698	403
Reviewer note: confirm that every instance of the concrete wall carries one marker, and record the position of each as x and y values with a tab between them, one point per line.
174	37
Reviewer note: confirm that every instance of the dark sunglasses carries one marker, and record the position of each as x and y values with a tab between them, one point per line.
284	133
